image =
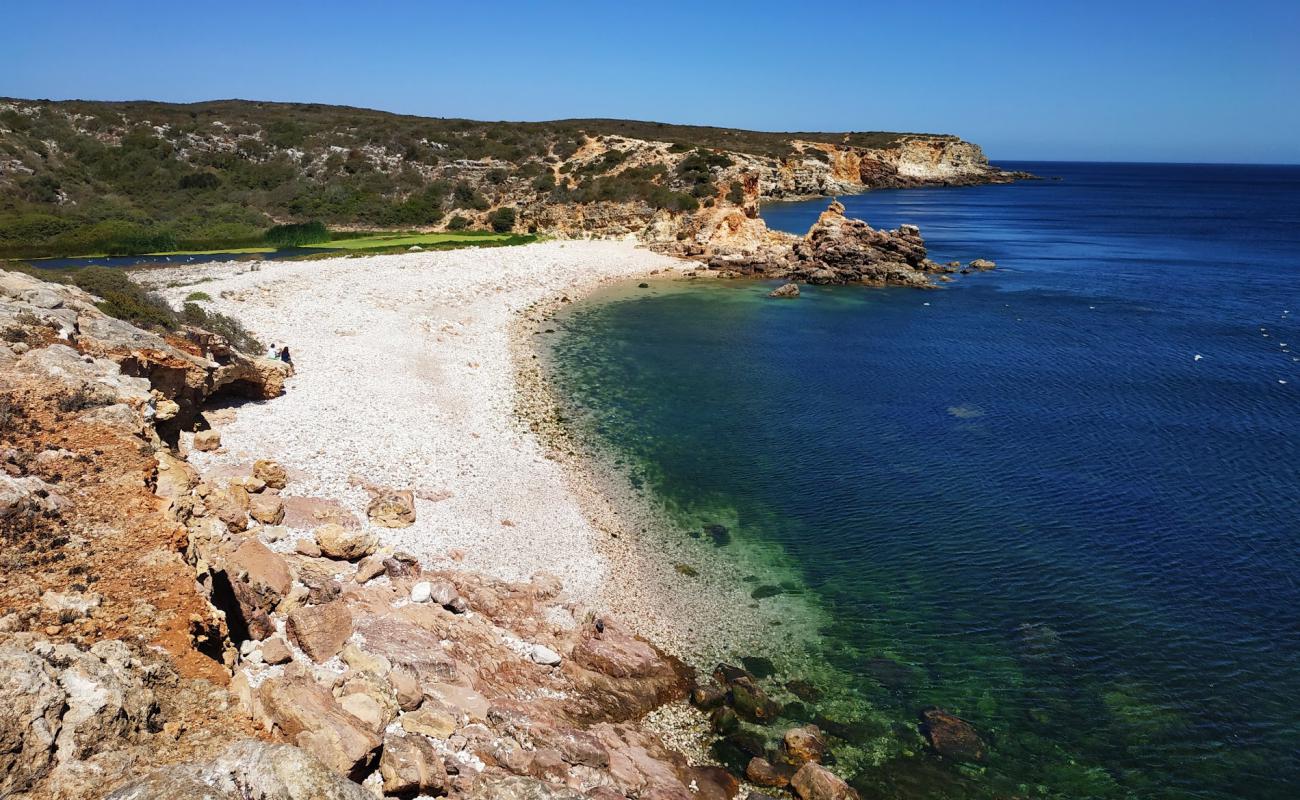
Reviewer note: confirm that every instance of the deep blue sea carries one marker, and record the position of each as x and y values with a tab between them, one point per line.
1060	499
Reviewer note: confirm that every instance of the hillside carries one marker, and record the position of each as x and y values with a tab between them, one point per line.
88	177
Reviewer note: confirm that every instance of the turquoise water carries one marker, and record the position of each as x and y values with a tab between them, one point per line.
1021	497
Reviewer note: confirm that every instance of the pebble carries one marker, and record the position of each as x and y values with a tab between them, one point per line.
421	592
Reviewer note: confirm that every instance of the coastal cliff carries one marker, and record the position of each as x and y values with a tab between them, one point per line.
83	177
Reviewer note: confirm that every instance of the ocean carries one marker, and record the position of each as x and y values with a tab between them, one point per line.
1060	500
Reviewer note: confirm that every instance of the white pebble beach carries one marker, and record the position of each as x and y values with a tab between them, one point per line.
407	377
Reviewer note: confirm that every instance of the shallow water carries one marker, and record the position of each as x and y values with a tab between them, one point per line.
1021	498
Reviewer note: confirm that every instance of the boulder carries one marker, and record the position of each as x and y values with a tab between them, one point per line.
762	772
276	651
270	473
310	717
815	782
429	720
207	441
321	631
107	699
805	744
751	702
982	264
951	736
392	509
410	765
338	542
785	290
266	509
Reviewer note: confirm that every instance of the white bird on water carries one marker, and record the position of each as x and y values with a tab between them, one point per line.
1197	357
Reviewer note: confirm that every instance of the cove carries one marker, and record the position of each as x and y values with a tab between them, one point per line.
1022	498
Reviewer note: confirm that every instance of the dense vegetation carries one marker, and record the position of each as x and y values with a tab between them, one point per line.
117	178
125	299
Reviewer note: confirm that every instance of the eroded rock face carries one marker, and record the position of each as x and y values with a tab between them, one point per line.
34	703
838	249
247	770
64	704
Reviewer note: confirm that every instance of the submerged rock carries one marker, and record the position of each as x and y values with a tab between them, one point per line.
951	736
815	782
785	290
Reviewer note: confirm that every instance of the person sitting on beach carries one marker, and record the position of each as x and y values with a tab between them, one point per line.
272	352
284	355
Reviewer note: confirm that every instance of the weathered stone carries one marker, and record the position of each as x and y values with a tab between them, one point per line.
519	787
815	782
307	547
951	736
369	568
338	542
69	606
410	765
207	441
320	631
264	568
751	702
982	264
762	772
270	473
266	509
276	651
430	720
246	770
541	654
392	509
33	703
406	688
804	744
309	716
785	290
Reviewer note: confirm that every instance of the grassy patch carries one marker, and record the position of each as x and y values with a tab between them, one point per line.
387	240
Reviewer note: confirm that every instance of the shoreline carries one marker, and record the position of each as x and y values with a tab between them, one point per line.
577	517
612	545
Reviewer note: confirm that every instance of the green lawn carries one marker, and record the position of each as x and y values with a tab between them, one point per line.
410	239
387	242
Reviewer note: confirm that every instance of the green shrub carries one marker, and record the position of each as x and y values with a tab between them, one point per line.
544	182
457	223
123	298
466	196
502	220
736	194
234	332
200	180
297	235
197	297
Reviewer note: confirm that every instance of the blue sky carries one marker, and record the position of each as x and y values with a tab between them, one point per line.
1167	81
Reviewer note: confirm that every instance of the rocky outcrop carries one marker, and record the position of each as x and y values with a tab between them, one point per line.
64	704
167	378
836	250
247	770
367	671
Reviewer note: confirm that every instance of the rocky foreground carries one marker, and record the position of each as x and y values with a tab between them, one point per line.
179	625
